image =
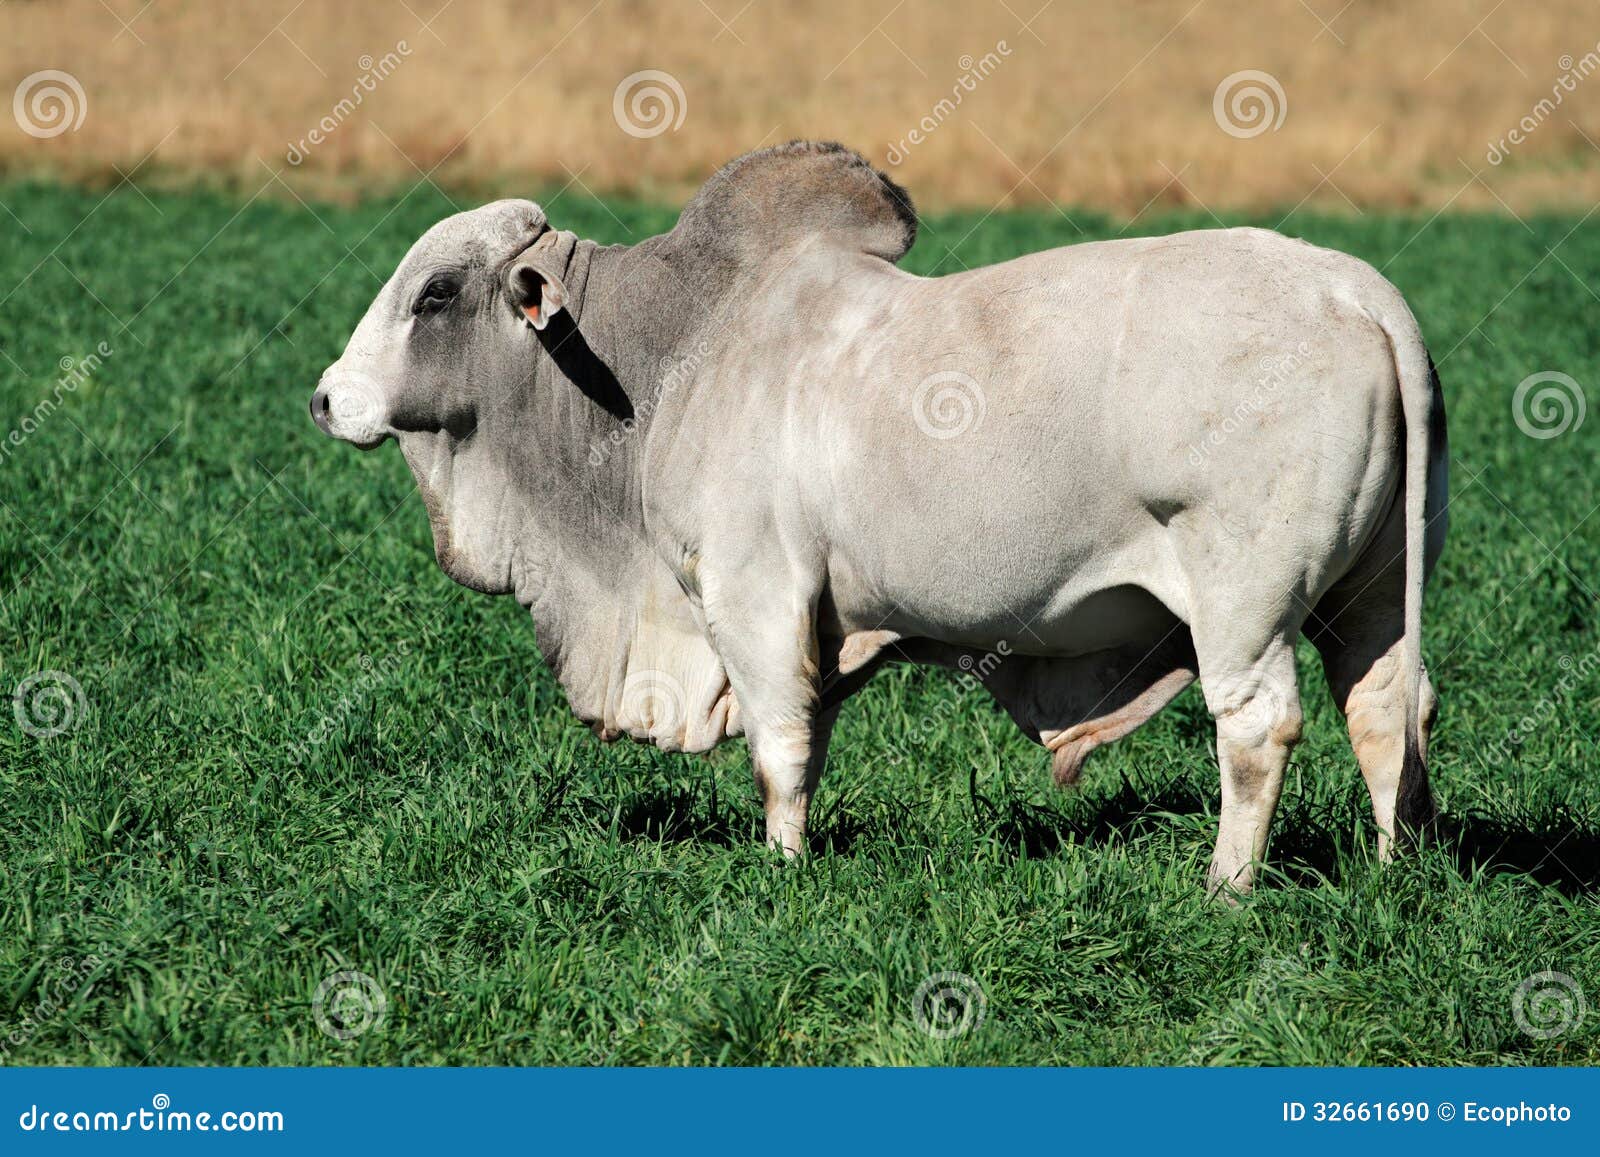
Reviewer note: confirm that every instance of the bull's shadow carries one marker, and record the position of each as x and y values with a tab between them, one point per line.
1554	846
682	815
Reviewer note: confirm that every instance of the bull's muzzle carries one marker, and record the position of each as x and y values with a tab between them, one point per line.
349	405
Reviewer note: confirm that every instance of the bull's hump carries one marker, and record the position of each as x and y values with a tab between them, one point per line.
773	198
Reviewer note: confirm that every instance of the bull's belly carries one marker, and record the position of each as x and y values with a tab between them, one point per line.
1040	606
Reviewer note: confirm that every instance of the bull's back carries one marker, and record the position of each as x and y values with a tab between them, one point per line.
1034	437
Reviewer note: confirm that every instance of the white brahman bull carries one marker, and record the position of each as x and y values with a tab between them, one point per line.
734	468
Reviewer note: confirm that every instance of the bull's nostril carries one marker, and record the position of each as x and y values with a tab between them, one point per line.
320	407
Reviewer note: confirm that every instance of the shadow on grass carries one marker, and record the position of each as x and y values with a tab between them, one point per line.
677	816
1557	847
1044	831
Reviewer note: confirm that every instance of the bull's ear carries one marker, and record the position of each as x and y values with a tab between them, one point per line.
535	287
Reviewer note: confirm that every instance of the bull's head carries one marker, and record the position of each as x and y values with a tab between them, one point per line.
497	422
448	339
451	323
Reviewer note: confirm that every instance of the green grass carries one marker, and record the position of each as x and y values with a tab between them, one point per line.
226	584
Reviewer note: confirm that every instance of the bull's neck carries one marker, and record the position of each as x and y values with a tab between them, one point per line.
604	604
599	373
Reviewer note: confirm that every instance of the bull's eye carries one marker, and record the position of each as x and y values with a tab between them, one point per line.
437	294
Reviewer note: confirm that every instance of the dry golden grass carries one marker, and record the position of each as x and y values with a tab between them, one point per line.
1091	104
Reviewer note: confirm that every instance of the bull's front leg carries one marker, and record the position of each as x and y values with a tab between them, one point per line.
768	645
787	789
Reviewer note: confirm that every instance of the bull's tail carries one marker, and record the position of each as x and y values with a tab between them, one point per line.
1419	394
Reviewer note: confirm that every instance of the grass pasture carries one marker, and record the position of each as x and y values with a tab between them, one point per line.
301	751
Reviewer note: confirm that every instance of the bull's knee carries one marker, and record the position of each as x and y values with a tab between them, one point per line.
1268	721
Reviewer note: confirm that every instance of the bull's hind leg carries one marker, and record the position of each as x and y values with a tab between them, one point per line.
1362	654
1253	695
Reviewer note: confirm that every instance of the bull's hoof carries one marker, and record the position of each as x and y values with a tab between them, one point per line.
1229	888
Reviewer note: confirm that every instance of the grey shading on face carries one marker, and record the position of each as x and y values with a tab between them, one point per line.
452	319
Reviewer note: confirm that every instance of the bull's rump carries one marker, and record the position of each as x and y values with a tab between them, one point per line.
1083	440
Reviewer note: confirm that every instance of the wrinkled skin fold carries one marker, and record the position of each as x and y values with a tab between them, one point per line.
735	468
